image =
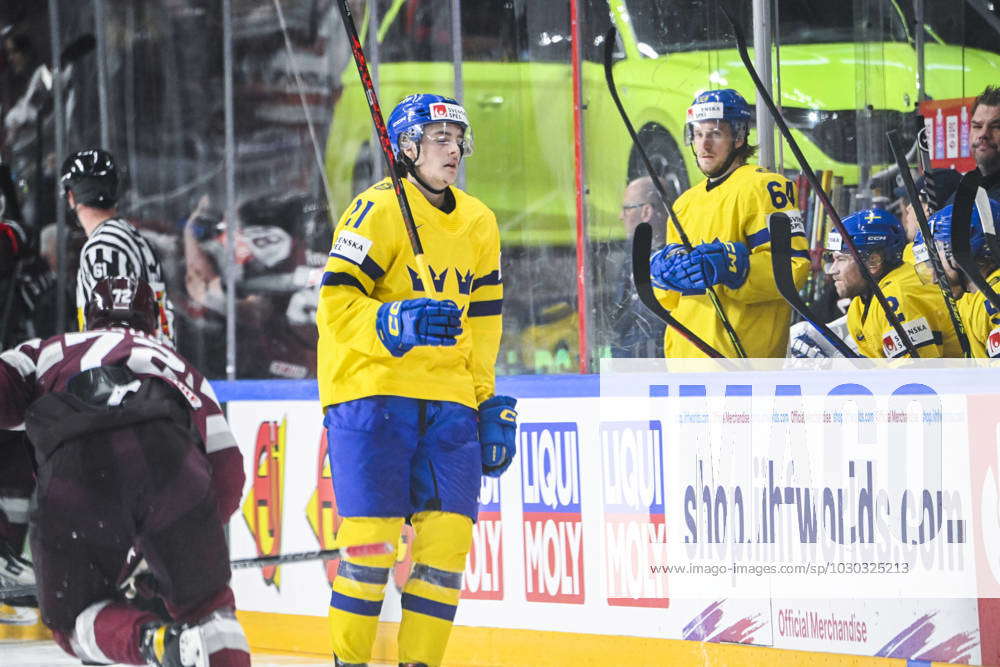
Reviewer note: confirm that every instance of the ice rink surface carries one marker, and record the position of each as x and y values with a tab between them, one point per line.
20	653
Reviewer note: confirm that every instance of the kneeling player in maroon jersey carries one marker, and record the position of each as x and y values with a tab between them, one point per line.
133	453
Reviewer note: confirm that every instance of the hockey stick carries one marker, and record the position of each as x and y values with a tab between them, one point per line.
763	95
383	137
609	45
986	217
358	550
918	210
372	549
780	227
961	223
642	244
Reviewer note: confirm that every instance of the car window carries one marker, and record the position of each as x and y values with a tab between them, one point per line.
419	31
489	31
690	25
951	25
545	26
596	21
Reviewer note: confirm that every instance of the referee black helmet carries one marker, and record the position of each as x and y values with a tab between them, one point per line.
92	177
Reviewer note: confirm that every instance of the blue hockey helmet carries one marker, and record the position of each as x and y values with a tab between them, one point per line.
940	224
871	229
407	120
723	104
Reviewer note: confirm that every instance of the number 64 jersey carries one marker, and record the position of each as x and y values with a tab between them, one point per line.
736	208
38	367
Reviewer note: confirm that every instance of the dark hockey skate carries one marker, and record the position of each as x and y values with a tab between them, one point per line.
14	570
173	645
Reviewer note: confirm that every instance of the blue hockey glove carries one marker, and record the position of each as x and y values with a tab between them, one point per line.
675	269
402	325
724	263
497	434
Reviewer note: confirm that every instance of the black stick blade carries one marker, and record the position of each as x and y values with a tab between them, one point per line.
892	136
986	219
780	227
961	234
642	245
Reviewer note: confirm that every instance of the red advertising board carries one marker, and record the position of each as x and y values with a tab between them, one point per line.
947	124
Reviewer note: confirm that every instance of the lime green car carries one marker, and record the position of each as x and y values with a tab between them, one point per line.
518	93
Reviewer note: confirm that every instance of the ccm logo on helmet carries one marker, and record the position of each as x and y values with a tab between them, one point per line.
445	111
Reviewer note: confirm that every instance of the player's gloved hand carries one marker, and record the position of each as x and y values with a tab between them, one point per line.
402	325
805	342
723	263
675	269
497	434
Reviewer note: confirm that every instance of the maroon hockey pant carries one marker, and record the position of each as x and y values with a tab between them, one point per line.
146	485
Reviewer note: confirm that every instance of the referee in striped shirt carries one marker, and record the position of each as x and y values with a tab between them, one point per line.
114	247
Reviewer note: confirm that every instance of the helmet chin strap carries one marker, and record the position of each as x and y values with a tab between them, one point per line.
426	186
411	168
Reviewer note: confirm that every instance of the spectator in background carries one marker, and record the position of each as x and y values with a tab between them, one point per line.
19	62
984	138
279	261
637	332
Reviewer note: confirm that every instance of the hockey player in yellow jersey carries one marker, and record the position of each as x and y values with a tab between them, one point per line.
725	218
880	238
406	378
980	317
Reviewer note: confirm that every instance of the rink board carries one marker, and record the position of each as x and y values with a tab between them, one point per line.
543	576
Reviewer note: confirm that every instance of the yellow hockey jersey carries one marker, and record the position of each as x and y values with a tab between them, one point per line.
371	263
737	209
919	307
980	318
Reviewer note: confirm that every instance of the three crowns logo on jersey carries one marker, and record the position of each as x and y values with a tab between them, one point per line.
262	509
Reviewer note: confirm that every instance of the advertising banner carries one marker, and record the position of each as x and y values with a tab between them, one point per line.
827	511
947	125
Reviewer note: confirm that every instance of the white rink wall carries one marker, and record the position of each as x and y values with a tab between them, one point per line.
604	488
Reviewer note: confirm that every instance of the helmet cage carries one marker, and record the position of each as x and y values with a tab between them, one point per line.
412	136
719	105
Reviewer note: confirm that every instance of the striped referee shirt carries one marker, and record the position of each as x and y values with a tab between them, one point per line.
116	249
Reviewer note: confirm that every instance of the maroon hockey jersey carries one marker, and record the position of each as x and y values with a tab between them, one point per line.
37	367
